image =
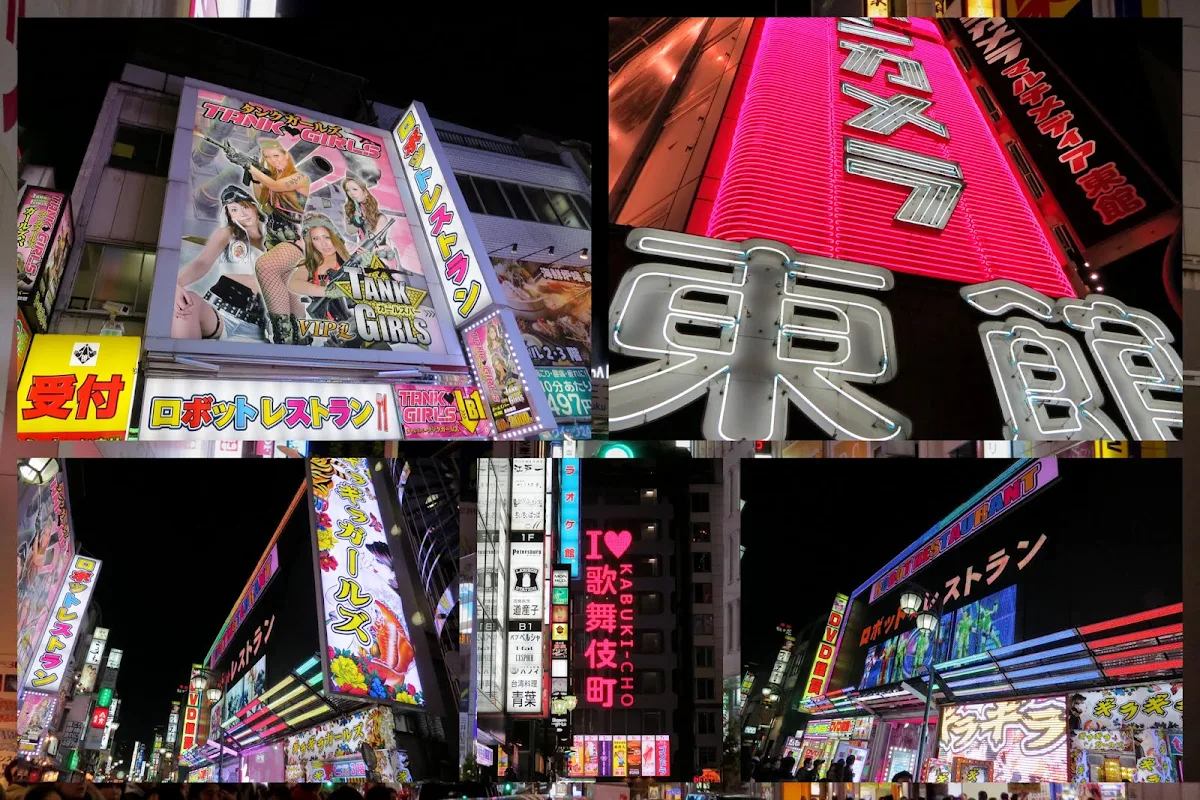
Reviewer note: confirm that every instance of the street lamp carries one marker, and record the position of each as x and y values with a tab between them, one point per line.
912	600
214	697
37	470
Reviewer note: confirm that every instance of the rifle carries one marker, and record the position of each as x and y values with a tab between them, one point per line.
340	306
235	156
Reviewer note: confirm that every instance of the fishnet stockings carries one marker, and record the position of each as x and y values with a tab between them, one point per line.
273	269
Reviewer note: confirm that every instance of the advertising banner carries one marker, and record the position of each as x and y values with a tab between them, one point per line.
77	387
525	581
1157	705
245	604
985	732
616	755
44	237
483	755
499	376
296	233
76	723
23	337
569	392
553	307
460	268
173	724
568	503
246	689
528	495
1100	183
191	715
185	408
370	652
44	550
525	671
51	658
435	411
343	737
818	676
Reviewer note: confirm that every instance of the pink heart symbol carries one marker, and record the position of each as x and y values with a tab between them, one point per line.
618	543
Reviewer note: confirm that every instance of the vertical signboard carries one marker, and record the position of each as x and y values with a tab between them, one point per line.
818	677
560	654
369	651
91	662
526	586
76	723
173	724
44	237
497	368
191	715
62	632
608	619
568	504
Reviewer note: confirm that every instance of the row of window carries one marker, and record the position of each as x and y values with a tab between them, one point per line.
530	203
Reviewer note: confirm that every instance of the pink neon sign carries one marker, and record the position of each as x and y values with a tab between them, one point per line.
608	626
785	179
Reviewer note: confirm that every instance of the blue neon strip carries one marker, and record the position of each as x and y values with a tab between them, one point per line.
1028	643
939	527
971	681
962	673
960	662
1058	680
1042	656
999	687
1056	668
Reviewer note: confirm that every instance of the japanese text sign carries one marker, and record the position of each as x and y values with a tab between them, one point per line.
369	651
433	187
525	589
62	632
621	756
553	307
818	677
1036	476
499	375
1158	705
44	237
982	730
75	387
609	619
191	715
442	412
569	392
525	670
185	408
342	737
528	495
569	519
245	603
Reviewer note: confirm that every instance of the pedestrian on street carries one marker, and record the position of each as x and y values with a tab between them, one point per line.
806	771
786	767
836	771
849	769
817	773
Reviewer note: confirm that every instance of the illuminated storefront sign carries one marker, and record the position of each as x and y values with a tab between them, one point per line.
173	724
1158	705
483	755
621	756
750	381
1036	476
553	307
609	619
560	656
818	677
781	661
74	387
184	408
459	268
498	373
191	715
854	728
49	663
442	412
568	390
369	651
99	717
343	737
44	236
526	586
980	732
528	495
245	604
568	504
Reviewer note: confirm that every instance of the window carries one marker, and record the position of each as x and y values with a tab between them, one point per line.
729	504
648	642
469	194
702	624
647	567
141	150
567	215
117	274
700	501
650	602
585	208
649	497
702	593
706	757
493	199
10	683
648	532
705	689
729	627
541	205
737	621
700	532
704	656
652	722
520	205
650	681
706	722
701	562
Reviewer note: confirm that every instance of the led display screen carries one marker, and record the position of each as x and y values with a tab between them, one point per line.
1023	740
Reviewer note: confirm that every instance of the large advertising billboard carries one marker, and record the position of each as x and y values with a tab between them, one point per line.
610	617
369	649
499	375
619	756
441	411
77	387
44	550
44	237
50	659
553	307
1021	740
295	232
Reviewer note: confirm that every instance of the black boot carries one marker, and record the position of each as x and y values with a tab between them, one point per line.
283	328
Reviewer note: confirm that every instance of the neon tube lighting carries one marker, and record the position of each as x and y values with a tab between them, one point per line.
1132	619
1042	670
1121	655
1153	666
1019	646
962	673
1059	679
1043	655
1152	633
946	665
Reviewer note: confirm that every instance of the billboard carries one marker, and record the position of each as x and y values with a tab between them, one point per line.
569	520
50	659
818	676
342	737
173	724
77	387
246	689
44	236
1156	705
526	587
296	233
569	392
609	618
528	511
245	604
44	550
462	271
1023	740
75	724
438	411
369	651
619	756
499	376
187	408
553	307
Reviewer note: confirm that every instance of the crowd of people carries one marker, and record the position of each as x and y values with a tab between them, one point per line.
86	790
841	770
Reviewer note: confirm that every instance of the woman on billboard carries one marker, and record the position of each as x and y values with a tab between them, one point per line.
283	192
364	217
233	307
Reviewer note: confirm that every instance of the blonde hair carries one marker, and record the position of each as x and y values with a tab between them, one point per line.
313	259
263	193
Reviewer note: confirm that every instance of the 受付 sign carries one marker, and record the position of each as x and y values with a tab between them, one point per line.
76	387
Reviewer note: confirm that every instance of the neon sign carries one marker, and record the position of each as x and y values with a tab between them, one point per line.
818	677
50	659
984	730
860	140
609	618
751	325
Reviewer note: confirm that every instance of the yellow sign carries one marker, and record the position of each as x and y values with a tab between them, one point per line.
77	387
558	632
1107	449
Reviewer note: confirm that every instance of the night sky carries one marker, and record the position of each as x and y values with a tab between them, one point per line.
495	74
179	539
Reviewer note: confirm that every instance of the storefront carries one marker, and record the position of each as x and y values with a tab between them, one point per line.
1128	733
895	746
265	764
333	751
831	739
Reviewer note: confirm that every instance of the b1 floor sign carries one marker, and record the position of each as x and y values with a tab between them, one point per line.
751	323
